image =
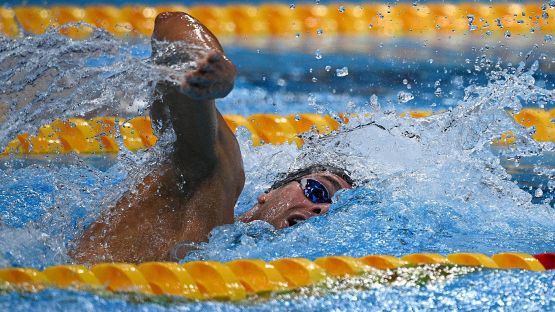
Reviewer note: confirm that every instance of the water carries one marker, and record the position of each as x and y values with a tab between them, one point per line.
423	185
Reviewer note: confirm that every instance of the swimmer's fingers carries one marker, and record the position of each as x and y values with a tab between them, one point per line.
205	87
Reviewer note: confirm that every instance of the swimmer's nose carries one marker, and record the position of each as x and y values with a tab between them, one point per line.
320	209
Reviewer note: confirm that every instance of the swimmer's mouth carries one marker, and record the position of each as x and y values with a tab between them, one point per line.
294	219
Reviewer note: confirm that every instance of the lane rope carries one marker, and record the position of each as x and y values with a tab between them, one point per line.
373	19
237	279
98	135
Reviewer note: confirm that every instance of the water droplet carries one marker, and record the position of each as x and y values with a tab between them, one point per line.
342	72
281	82
437	83
319	32
314	79
298	35
317	54
297	117
405	97
507	34
470	18
292	6
341	9
405	81
431	61
438	92
538	193
327	68
548	38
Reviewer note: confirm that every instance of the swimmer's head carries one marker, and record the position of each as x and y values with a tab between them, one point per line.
299	196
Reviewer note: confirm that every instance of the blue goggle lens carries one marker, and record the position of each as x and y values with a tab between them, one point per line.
315	191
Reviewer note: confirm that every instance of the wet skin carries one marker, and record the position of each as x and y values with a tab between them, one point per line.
196	189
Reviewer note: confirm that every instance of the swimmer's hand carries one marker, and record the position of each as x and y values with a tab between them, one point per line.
214	78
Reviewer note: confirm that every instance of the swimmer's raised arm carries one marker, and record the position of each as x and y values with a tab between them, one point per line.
194	190
189	105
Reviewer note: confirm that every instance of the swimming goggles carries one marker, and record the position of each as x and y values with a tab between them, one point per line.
315	191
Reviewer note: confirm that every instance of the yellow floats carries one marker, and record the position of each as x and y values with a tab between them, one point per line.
98	135
234	280
170	278
373	19
517	261
216	280
258	276
74	276
299	272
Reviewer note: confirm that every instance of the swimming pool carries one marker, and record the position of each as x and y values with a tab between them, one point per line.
443	190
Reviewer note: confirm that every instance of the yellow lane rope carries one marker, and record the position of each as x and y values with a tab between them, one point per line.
373	19
234	280
99	135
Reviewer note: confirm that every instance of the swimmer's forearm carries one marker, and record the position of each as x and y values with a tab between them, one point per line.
195	124
190	105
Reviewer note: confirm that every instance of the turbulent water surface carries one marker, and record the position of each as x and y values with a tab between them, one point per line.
423	185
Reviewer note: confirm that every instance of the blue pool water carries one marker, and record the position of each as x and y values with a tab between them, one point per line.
426	185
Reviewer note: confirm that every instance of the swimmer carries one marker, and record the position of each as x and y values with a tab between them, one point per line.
196	189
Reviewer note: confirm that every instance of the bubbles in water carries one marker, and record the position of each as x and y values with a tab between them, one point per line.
327	68
342	72
341	9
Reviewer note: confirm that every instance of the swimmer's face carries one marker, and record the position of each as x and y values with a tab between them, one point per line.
289	204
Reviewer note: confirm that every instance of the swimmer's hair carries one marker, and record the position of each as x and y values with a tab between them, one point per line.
300	173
